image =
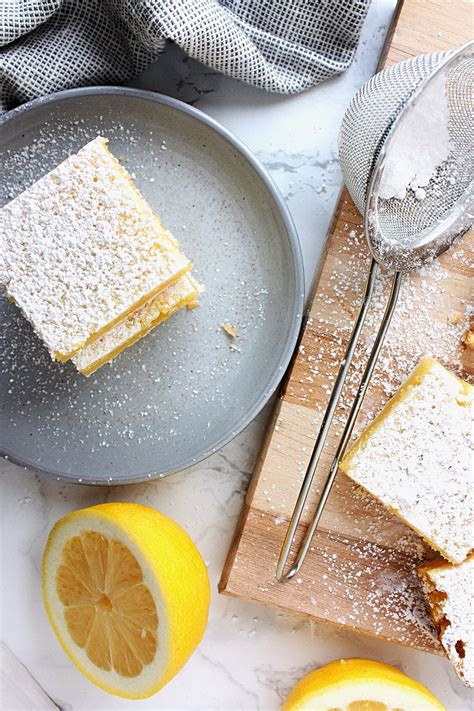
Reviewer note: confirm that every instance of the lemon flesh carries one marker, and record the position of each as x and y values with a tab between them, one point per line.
360	685
127	594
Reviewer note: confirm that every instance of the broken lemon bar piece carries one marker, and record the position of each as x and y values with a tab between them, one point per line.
448	590
416	458
81	249
182	292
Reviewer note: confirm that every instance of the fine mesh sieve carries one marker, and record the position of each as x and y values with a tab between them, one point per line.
403	233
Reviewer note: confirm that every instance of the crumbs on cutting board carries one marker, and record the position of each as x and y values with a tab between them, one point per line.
361	567
429	320
359	584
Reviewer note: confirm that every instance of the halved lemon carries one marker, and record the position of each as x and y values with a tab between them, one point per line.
127	594
360	685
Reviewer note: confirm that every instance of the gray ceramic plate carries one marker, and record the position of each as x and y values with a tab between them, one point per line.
182	392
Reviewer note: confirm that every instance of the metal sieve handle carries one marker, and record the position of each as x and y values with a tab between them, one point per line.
326	423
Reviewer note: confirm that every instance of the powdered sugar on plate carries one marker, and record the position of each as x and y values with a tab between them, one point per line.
181	392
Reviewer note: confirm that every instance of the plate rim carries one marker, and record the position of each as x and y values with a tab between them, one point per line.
297	263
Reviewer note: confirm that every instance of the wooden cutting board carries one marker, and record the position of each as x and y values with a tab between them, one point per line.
360	572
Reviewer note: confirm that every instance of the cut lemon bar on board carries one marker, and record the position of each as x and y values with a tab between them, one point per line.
416	458
448	589
81	249
180	293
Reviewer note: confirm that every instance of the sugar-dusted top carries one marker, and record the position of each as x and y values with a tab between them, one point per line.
456	583
416	457
81	248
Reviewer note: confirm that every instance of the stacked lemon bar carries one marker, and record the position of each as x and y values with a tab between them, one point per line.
417	458
88	262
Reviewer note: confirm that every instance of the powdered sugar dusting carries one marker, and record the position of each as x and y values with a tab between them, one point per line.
360	569
418	459
182	383
422	324
82	248
347	582
421	144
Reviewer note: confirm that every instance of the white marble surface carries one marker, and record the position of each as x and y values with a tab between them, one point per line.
250	656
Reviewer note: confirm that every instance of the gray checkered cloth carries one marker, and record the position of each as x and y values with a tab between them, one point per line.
282	46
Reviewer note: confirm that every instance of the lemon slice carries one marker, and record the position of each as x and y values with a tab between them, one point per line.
360	685
127	594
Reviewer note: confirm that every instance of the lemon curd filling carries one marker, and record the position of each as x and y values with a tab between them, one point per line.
64	357
181	293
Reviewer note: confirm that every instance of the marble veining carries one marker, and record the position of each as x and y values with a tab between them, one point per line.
251	656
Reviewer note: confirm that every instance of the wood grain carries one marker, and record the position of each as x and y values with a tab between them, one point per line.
359	573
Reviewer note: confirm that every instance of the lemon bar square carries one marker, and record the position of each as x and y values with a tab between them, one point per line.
449	592
81	249
177	295
416	458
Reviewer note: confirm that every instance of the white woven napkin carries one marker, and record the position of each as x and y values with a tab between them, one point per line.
279	45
